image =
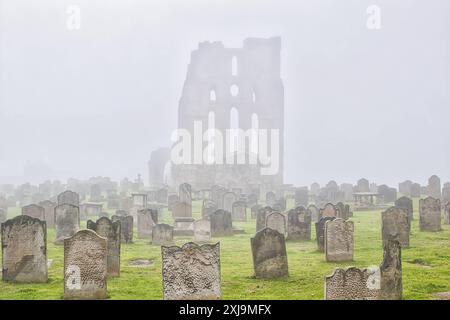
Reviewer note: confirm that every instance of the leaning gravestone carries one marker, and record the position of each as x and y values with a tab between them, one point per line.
85	266
221	223
395	226
406	204
34	211
430	214
69	197
298	224
145	223
320	232
49	212
24	250
67	221
126	228
162	234
339	240
105	228
276	221
238	211
202	230
353	284
269	254
391	272
261	217
191	272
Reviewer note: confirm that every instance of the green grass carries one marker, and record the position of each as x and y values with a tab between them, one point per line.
426	265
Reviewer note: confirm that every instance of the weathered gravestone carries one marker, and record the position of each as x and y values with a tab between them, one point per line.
298	224
85	266
145	223
391	272
182	210
228	199
238	211
430	214
320	232
202	230
172	200
184	223
339	240
67	221
269	254
105	228
221	223
34	211
49	212
185	193
276	221
126	227
434	187
162	234
329	211
69	197
24	250
208	207
314	212
191	272
261	217
406	204
353	284
395	226
447	213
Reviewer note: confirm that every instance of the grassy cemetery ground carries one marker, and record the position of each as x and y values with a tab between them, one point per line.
426	265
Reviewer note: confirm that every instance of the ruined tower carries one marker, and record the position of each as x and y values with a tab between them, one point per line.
228	88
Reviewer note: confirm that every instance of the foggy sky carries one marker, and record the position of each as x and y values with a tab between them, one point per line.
97	101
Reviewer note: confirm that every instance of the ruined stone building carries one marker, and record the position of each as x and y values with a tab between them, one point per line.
233	88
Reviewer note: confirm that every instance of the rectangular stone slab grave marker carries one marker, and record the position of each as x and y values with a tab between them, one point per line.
191	272
145	223
395	225
105	228
24	250
339	240
202	230
34	211
67	221
430	214
126	227
221	223
85	266
162	234
269	254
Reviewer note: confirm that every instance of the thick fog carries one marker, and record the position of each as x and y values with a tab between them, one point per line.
97	100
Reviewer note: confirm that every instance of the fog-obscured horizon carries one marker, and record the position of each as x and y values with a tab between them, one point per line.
98	100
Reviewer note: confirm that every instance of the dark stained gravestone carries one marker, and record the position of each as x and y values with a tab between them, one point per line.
105	228
269	254
298	224
126	227
221	223
391	272
320	232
